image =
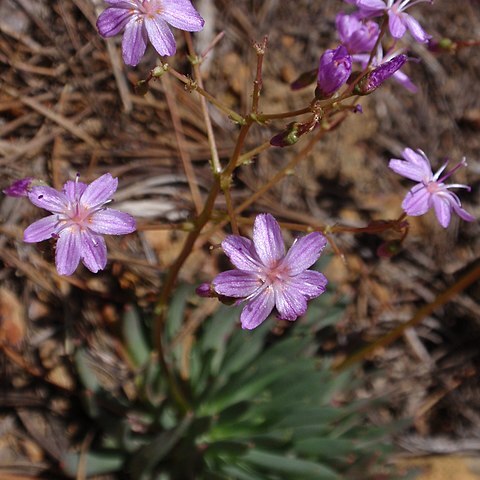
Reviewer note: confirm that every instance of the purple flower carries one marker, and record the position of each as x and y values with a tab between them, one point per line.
19	188
398	20
372	80
334	69
355	35
266	277
79	218
147	20
430	190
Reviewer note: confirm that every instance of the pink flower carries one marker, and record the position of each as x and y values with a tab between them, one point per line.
356	35
398	20
147	20
79	218
266	277
430	192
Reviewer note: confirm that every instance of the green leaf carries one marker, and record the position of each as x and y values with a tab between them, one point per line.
147	457
290	466
95	463
134	336
327	448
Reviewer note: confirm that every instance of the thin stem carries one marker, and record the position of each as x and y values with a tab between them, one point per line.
258	82
230	210
255	151
441	299
276	178
264	117
193	86
217	168
181	144
171	278
288	168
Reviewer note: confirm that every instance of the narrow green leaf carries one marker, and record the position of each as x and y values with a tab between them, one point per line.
96	463
134	336
290	466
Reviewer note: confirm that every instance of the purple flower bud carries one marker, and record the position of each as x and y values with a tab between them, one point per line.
372	80
292	133
304	80
333	72
205	290
19	188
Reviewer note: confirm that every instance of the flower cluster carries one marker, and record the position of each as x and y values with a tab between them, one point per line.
266	277
430	191
145	20
78	221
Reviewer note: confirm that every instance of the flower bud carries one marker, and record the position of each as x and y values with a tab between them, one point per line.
304	80
333	72
372	80
19	188
205	290
292	133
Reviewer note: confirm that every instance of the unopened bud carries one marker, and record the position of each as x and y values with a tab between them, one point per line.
292	133
334	69
389	249
142	87
205	290
20	188
372	80
304	80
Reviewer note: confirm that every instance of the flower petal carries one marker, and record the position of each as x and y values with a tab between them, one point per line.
112	222
463	214
93	251
416	166
290	303
73	190
236	283
241	253
134	41
443	209
112	20
99	191
48	198
258	309
130	4
396	24
41	229
372	7
67	253
415	29
304	252
268	240
404	81
181	14
160	35
417	201
310	284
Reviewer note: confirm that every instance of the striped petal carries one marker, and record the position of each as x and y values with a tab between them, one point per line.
258	309
40	230
67	255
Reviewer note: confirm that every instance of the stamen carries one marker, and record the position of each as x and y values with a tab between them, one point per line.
461	164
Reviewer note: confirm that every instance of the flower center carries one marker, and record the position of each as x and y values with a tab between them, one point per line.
276	274
152	7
